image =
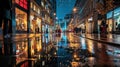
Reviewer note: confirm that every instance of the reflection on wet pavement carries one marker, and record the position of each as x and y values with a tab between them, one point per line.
58	50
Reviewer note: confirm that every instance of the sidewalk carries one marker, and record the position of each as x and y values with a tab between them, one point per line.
113	39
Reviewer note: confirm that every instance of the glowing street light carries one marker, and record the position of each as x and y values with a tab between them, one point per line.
54	14
75	9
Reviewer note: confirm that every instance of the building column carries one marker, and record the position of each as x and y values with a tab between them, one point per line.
28	17
13	18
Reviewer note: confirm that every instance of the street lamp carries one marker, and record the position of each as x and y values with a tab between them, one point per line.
75	15
54	14
74	9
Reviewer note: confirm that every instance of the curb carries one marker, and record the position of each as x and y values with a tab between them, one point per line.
110	43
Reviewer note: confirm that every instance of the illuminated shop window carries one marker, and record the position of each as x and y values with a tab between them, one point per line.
21	20
48	11
33	23
39	25
38	11
34	7
22	3
42	3
31	5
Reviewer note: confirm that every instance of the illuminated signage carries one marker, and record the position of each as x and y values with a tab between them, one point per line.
22	3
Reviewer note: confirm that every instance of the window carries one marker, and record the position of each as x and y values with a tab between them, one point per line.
21	20
31	5
34	7
38	11
42	4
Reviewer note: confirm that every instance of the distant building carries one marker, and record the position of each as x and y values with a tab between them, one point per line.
92	12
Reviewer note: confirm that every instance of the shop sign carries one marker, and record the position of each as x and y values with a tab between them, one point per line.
22	3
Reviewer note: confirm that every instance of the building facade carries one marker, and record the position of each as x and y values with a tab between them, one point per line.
92	12
30	16
20	16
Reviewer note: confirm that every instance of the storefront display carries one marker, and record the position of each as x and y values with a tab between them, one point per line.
35	25
109	23
21	20
113	20
38	25
35	18
117	19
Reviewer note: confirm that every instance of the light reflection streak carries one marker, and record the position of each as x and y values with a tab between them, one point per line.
83	44
90	46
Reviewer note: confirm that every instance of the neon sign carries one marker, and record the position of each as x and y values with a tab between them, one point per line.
22	3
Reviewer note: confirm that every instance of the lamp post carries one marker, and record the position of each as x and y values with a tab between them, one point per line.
54	18
75	10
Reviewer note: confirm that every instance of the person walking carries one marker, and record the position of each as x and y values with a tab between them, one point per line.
5	17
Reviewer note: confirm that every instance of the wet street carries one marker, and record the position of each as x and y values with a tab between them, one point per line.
57	50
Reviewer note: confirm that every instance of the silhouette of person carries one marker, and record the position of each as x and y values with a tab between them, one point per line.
5	16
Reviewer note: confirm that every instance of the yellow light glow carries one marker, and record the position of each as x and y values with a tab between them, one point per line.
75	64
90	46
75	9
54	14
75	56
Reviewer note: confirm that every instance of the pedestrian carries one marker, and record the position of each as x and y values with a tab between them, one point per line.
5	17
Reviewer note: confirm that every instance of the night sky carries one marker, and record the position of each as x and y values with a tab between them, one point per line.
64	7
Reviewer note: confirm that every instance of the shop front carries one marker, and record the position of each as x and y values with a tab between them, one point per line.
89	25
45	27
21	7
35	18
109	21
113	20
117	19
35	24
21	20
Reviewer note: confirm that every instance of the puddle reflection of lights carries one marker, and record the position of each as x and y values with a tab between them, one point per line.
91	60
83	45
75	64
90	46
55	53
75	55
113	51
74	45
32	51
